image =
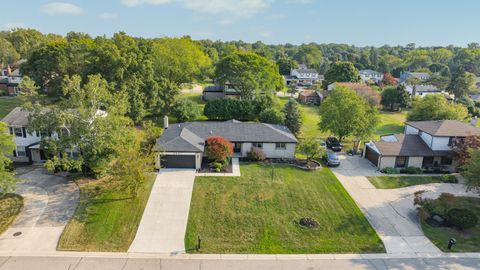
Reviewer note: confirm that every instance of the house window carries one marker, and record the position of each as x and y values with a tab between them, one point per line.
280	146
237	147
18	132
446	161
401	162
450	141
21	151
427	161
257	145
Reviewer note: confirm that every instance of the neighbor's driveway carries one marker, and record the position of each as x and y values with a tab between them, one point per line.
391	211
49	203
164	221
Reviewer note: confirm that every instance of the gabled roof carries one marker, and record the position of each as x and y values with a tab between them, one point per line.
426	88
369	72
354	86
311	93
17	117
190	137
445	128
307	71
406	145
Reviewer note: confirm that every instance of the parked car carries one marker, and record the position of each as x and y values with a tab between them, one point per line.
334	144
331	159
322	143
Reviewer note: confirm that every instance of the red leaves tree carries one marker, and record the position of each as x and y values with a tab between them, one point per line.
218	149
462	149
388	79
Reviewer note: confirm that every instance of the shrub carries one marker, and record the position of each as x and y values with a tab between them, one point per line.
462	218
3	92
218	149
185	110
413	170
271	116
226	109
390	170
448	179
256	154
217	166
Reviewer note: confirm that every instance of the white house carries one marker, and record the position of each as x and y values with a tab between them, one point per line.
404	76
303	76
423	144
371	75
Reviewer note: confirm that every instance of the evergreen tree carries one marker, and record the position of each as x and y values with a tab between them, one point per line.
293	116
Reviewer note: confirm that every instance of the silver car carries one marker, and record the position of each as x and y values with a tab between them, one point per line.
332	159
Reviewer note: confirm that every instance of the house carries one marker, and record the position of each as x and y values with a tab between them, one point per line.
404	76
368	75
310	97
303	76
357	87
219	92
422	89
10	81
424	144
183	145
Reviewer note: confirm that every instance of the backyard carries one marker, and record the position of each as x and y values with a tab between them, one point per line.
10	206
391	182
7	104
106	218
259	212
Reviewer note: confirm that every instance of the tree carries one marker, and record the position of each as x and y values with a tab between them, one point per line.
395	97
342	72
462	83
249	73
8	54
388	79
439	81
462	149
285	65
344	113
24	40
272	116
185	110
218	149
436	107
471	170
311	148
293	116
292	89
7	179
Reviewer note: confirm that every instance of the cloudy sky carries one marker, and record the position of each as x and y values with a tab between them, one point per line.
359	22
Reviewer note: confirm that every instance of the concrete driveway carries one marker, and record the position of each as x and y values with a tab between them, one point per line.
391	211
49	203
164	221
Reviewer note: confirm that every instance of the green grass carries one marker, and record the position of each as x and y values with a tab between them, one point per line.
390	123
467	240
257	214
7	104
10	207
106	218
197	98
390	182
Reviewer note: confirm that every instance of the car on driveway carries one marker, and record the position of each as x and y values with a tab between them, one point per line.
332	159
334	144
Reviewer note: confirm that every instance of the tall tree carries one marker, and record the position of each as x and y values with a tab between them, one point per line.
7	179
436	107
285	65
395	97
24	40
342	72
8	54
462	83
471	170
293	116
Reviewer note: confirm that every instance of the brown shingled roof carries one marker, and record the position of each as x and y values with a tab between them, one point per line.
445	128
407	145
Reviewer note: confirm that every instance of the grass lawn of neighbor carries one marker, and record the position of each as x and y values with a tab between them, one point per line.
259	213
467	240
7	104
10	207
106	218
391	182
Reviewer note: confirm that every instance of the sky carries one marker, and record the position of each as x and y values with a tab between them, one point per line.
357	22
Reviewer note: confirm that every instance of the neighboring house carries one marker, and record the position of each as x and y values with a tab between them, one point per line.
477	82
354	86
303	76
423	144
422	90
404	76
371	75
183	145
219	92
475	97
10	80
310	97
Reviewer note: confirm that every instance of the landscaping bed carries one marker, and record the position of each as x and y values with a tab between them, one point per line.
208	168
106	218
304	164
10	207
391	182
277	209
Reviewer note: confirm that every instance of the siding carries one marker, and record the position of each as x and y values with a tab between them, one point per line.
271	152
387	162
441	143
409	130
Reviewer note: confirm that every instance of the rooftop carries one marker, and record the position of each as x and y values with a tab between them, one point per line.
445	128
406	145
16	117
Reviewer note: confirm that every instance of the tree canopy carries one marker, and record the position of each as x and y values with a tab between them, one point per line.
342	72
436	107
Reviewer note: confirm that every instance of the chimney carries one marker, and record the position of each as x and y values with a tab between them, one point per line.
474	121
165	122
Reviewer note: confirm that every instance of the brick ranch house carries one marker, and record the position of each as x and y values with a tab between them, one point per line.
424	144
182	145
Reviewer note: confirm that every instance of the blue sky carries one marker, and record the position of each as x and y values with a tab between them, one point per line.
358	22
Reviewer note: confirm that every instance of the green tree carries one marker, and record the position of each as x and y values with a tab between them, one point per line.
7	179
345	114
285	65
272	116
249	73
436	107
293	116
311	148
185	110
462	83
471	170
8	54
395	97
24	40
342	72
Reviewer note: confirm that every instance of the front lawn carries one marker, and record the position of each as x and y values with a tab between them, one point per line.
390	182
467	240
106	218
7	104
259	213
10	207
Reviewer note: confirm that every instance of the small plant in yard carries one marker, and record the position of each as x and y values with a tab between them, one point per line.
218	149
256	154
311	148
462	218
390	170
308	222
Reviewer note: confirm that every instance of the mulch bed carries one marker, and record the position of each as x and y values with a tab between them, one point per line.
206	167
300	163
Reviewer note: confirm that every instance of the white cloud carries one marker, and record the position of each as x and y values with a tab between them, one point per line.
10	26
241	8
108	16
61	8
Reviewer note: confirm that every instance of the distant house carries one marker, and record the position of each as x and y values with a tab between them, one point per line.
183	145
423	144
219	92
354	86
10	80
371	75
303	76
310	97
404	76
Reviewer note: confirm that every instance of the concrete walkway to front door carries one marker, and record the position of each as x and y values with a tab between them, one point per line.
164	221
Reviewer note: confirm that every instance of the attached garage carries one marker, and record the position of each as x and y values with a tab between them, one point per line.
178	161
372	155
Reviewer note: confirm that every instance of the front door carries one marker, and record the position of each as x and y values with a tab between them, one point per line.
237	148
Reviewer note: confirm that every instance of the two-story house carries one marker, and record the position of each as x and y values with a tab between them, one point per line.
423	144
368	75
404	76
303	76
10	81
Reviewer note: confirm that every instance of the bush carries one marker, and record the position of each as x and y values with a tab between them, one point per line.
217	166
218	149
413	170
3	92
226	109
448	179
185	110
271	116
256	154
390	170
462	218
